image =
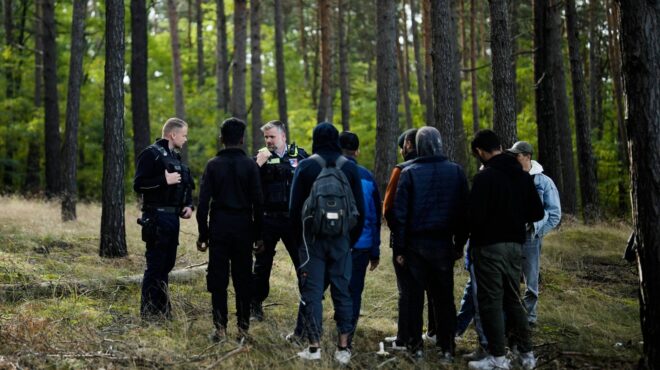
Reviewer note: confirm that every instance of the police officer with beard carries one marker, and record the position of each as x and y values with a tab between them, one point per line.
165	186
277	163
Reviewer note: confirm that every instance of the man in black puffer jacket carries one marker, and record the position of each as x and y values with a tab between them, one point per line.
430	210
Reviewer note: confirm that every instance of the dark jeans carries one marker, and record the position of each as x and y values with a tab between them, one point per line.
360	263
403	281
230	252
275	228
329	260
497	270
161	256
431	266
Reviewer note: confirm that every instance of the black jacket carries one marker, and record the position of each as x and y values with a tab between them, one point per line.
149	180
276	177
326	144
231	184
502	201
430	202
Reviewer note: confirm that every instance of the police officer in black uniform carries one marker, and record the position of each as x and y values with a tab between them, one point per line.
166	188
277	162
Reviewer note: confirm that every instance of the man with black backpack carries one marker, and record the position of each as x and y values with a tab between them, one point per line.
327	213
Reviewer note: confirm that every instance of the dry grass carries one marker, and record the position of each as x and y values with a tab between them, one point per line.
588	303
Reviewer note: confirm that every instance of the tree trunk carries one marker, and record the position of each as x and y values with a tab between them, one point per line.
640	21
113	229
595	71
238	108
255	80
548	137
344	73
199	12
404	82
473	66
406	44
177	71
52	111
460	141
279	65
419	67
34	153
428	70
325	99
139	90
303	37
444	51
9	41
387	91
504	103
465	56
222	59
514	31
588	182
70	189
568	192
317	51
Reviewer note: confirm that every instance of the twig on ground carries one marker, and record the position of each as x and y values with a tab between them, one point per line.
239	349
386	362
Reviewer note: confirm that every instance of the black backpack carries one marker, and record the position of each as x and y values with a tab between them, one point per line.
330	210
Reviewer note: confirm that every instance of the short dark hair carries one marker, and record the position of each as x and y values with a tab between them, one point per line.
349	141
232	131
408	135
486	140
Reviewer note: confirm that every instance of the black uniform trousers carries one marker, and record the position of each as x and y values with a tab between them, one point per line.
161	256
230	251
274	229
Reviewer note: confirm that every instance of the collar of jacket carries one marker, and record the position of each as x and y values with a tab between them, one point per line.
231	151
430	159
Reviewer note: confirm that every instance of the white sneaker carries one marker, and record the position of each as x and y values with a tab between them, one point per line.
396	346
307	355
490	363
429	338
446	358
527	360
390	339
343	356
477	355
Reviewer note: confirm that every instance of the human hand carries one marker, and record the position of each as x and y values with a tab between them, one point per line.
172	177
373	264
263	156
202	246
186	212
258	247
400	260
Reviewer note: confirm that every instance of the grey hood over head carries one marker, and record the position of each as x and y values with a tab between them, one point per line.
429	141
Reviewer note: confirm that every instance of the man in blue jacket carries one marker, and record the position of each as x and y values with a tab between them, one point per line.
366	252
325	258
430	210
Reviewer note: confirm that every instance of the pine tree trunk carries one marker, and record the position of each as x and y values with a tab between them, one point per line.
255	80
325	99
113	226
595	71
588	182
9	42
406	44
70	189
460	141
316	62
428	60
238	106
139	90
419	67
177	71
222	59
279	65
473	65
303	38
34	152
515	29
548	137
444	51
199	12
640	21
344	73
504	103
465	56
568	192
387	91
52	111
404	82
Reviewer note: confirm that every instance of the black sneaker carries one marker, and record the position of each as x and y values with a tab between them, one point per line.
218	335
256	312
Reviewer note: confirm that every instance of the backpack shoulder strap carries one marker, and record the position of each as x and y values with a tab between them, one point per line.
341	160
318	160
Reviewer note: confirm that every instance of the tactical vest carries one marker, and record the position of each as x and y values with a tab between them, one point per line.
171	195
276	176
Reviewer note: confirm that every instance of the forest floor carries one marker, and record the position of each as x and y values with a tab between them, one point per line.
588	311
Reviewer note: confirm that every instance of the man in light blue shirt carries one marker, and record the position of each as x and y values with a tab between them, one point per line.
535	232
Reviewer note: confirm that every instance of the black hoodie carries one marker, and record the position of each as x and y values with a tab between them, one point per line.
503	199
325	142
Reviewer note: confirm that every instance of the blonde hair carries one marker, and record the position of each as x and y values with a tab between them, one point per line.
173	124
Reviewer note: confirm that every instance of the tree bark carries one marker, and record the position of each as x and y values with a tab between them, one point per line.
504	103
419	67
177	71
113	227
465	56
70	189
52	110
9	42
640	21
444	51
428	70
588	182
199	13
344	70
404	81
387	91
255	81
222	59
303	38
34	152
548	137
595	71
139	90
279	65
568	193
325	99
473	65
460	141
238	107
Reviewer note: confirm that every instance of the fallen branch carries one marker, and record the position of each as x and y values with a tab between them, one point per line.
239	349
